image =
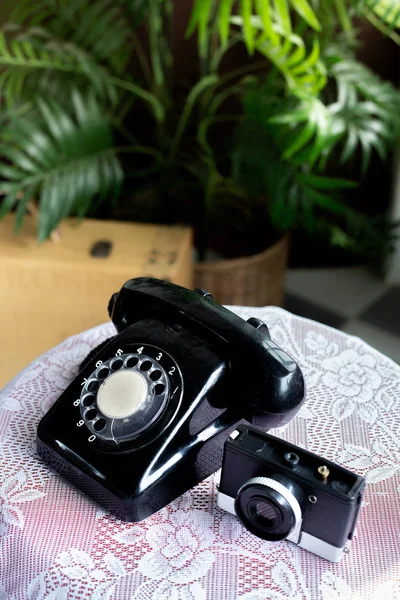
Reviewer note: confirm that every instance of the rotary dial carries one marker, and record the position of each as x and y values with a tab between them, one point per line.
127	394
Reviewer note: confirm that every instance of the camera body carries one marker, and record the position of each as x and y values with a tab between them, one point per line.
280	491
148	414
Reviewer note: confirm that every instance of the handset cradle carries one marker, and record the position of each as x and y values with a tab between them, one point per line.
276	377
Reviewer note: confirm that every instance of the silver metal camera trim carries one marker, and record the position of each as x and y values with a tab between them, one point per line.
296	536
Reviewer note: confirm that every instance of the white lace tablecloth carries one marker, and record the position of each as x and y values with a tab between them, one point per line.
55	544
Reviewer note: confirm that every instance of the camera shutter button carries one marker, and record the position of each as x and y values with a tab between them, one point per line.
122	394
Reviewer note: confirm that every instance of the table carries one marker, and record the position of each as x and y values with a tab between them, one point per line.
55	544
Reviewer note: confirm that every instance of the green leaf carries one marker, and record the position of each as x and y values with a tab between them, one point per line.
367	142
7	203
10	172
297	198
321	182
264	10
300	141
304	74
326	201
350	147
223	19
386	10
25	69
246	10
19	159
199	19
367	110
200	8
59	124
150	99
48	215
292	116
202	85
306	65
101	28
340	238
305	132
284	16
270	17
36	145
306	12
83	170
22	207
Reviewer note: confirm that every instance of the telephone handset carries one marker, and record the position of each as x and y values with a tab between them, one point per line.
148	414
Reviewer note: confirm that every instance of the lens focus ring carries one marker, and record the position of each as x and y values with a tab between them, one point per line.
277	487
268	509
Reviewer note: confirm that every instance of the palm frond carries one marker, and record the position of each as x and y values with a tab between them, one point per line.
309	132
297	199
303	70
302	200
384	15
267	11
302	129
64	159
101	28
25	59
367	109
363	117
388	11
294	194
371	237
35	58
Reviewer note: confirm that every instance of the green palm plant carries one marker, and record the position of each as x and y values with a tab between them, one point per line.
91	111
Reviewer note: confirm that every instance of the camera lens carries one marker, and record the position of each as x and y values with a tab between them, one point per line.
267	513
268	508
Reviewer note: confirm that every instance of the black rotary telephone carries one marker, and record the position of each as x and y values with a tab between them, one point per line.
147	416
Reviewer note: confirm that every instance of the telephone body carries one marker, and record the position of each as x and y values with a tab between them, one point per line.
147	416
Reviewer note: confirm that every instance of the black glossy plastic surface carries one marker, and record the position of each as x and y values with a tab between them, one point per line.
267	377
221	370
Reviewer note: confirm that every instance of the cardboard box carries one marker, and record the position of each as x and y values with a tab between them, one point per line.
57	289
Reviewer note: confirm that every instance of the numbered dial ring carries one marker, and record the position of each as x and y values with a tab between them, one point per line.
127	394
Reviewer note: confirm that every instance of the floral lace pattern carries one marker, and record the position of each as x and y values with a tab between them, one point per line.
55	544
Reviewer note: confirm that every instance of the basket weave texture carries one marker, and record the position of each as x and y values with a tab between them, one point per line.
256	280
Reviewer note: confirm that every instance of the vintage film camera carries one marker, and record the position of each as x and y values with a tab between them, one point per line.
281	492
147	416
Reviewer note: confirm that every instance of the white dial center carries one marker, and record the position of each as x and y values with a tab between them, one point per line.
122	394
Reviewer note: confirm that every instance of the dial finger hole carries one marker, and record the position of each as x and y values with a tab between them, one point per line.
146	365
93	385
156	374
131	362
102	374
158	389
91	414
99	424
88	400
116	364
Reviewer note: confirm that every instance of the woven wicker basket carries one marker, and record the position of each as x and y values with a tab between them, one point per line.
256	280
